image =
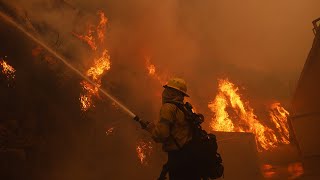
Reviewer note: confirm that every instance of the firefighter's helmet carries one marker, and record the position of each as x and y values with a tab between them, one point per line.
178	84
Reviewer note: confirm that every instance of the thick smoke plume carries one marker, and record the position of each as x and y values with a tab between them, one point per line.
260	45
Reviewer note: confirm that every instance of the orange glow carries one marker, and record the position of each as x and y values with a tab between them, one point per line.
144	150
268	171
36	51
295	170
7	70
39	51
243	118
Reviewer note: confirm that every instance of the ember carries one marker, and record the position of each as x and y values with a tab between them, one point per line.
7	70
144	150
110	131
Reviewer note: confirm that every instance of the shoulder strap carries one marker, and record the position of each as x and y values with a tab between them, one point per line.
181	107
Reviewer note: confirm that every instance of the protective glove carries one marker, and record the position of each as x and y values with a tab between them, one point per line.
143	124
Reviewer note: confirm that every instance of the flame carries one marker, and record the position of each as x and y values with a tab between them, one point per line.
86	102
101	28
243	117
94	32
101	64
279	117
7	70
88	38
152	70
144	150
87	98
295	170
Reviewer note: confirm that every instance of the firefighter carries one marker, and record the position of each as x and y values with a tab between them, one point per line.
174	132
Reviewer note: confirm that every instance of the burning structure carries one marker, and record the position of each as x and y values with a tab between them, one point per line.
306	112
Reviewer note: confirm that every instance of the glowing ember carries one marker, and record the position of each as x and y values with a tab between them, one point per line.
279	117
295	170
144	150
243	118
110	131
7	70
85	102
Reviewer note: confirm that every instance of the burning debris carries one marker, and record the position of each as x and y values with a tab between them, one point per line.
144	150
7	70
241	117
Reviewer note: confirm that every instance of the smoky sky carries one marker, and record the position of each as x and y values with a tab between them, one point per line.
259	45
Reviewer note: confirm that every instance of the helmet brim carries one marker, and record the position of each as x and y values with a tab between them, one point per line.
185	94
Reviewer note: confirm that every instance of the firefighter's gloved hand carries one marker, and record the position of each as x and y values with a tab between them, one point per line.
143	124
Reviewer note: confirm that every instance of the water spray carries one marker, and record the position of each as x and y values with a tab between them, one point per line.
65	62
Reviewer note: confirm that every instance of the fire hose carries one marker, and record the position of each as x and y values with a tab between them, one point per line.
70	66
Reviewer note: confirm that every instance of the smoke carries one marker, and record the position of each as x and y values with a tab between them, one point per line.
261	46
247	41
